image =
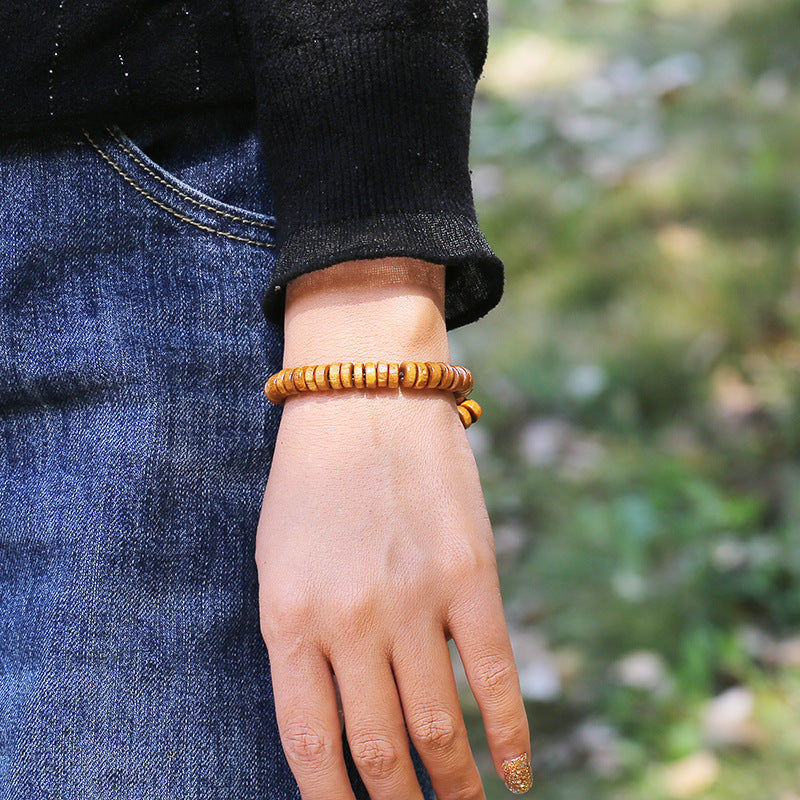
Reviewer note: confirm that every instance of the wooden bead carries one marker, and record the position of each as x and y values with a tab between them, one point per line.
382	371
286	384
271	391
443	376
474	409
333	376
378	374
321	376
468	385
408	370
466	417
434	374
462	383
458	379
422	376
299	379
448	374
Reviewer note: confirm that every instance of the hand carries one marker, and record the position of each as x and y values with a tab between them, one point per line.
374	547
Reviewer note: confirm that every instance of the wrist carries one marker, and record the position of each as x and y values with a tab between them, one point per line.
388	309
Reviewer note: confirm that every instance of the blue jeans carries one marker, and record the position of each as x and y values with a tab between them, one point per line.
135	445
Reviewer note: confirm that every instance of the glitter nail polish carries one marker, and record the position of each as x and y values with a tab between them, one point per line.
517	774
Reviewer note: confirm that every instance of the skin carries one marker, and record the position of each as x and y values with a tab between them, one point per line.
374	548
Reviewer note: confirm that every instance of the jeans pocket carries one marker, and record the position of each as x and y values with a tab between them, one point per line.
204	170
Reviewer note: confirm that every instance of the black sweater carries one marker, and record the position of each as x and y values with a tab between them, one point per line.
364	107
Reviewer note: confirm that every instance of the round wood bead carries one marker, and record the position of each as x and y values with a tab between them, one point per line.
358	376
299	379
308	375
408	370
346	374
474	409
422	376
434	374
333	376
370	376
466	417
382	371
321	376
393	380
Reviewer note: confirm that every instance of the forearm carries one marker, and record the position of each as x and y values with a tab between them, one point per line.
389	309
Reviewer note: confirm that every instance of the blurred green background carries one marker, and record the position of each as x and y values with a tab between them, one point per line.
636	166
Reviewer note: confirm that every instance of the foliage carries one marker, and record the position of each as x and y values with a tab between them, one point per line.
635	165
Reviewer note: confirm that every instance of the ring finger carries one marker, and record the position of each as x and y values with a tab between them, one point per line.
377	737
433	716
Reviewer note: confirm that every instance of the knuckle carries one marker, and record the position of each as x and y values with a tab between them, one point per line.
375	756
496	673
464	563
355	614
275	632
469	791
291	613
306	744
267	633
270	629
285	620
469	565
434	729
510	731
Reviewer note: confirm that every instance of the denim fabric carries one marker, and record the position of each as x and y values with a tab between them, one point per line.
135	444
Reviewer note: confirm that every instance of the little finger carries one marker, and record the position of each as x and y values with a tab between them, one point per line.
481	635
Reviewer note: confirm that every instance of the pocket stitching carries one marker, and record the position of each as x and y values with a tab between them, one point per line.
170	210
177	191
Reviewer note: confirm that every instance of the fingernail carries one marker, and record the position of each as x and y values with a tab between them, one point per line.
517	774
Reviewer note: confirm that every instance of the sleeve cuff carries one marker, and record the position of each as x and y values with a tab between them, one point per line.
473	278
368	135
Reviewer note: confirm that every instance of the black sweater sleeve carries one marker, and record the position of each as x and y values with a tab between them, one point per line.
364	106
365	109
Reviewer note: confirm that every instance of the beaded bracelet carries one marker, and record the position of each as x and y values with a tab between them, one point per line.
378	375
